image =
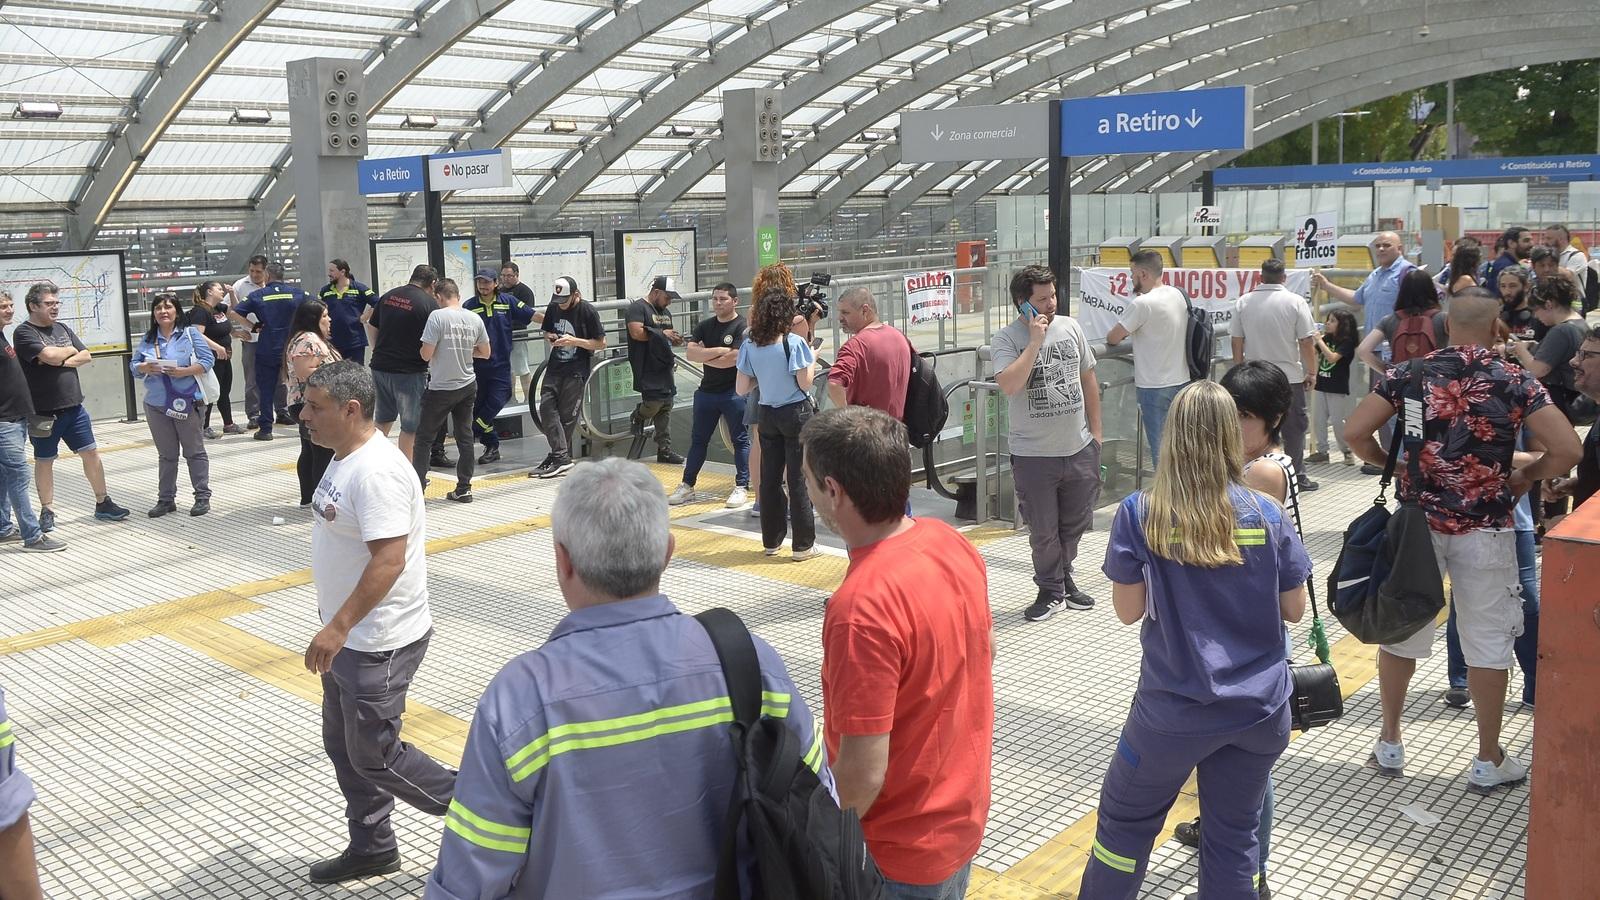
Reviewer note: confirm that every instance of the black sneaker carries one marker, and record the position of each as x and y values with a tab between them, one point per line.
490	455
1076	599
558	467
203	506
161	508
1458	698
1307	484
108	510
1044	606
668	457
1187	833
348	867
460	495
264	434
286	419
543	470
47	519
440	461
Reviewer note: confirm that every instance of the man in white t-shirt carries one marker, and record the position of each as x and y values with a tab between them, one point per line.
1157	320
1273	323
371	574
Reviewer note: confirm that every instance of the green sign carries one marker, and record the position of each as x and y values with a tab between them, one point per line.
997	419
619	381
767	245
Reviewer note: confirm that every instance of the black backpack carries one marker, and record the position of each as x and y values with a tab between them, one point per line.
805	846
1199	339
926	406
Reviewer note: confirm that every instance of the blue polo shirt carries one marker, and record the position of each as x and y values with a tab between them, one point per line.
344	310
274	307
1213	639
599	765
1377	294
774	371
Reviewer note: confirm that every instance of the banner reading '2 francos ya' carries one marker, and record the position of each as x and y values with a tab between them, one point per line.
1103	294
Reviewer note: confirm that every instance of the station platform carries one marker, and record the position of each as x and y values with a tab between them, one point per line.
153	672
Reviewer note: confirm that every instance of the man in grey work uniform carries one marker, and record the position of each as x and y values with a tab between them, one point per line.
369	564
599	765
1042	362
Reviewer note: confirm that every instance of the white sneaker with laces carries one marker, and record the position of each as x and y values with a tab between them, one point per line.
1485	776
809	553
1389	759
683	494
738	498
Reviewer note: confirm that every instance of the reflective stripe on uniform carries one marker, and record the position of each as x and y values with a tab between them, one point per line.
266	297
486	833
1120	863
1243	537
631	729
813	757
6	737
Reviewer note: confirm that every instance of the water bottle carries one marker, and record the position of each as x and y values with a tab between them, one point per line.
1384	353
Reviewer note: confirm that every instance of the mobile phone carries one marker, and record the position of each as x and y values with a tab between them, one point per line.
1028	310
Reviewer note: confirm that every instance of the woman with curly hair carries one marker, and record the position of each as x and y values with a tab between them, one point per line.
776	277
783	365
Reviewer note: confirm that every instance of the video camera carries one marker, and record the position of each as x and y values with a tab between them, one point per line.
813	299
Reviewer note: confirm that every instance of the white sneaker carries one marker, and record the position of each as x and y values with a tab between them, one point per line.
1389	759
810	552
738	498
1485	776
683	494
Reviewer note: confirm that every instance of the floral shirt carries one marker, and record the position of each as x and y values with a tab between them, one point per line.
1476	403
305	344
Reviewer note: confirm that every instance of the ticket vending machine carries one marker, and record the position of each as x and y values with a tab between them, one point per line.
1166	245
1117	252
1356	252
1254	251
1210	252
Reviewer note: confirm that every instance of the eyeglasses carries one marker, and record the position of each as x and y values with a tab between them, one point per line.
1585	355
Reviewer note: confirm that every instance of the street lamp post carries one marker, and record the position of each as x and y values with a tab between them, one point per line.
1341	116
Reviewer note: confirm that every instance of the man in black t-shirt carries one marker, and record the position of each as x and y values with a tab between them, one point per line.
1586	371
16	405
650	342
399	372
575	333
715	346
51	355
511	283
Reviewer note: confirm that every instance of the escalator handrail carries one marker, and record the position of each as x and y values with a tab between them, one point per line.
929	468
587	420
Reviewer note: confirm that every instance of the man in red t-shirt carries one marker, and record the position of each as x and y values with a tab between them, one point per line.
907	660
873	368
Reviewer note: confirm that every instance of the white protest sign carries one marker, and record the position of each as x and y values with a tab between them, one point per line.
1316	241
1104	294
1206	216
930	296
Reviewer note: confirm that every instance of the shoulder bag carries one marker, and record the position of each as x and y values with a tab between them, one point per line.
1386	584
210	388
1318	698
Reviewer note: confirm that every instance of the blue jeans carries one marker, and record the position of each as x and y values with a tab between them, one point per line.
16	474
1527	646
1153	406
708	408
952	888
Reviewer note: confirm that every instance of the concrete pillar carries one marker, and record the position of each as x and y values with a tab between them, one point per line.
328	133
752	136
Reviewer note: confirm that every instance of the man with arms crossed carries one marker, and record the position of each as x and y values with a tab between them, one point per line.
369	565
907	660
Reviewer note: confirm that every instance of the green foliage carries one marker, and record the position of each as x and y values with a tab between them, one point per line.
1529	111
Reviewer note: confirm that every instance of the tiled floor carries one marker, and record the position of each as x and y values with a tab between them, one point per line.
153	675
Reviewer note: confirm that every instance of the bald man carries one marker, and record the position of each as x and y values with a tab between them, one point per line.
1377	294
1470	484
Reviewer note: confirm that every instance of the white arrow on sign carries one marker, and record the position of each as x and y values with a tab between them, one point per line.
1194	118
938	133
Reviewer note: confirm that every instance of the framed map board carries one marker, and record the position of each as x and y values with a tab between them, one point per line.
394	258
93	288
543	257
644	253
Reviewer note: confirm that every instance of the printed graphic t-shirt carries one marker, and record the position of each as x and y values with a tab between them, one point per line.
1047	416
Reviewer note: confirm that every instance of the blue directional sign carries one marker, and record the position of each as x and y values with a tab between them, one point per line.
395	175
1160	122
1562	168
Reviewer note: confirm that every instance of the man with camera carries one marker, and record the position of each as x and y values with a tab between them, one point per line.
651	338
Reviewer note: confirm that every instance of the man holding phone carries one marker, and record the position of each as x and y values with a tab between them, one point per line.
1042	362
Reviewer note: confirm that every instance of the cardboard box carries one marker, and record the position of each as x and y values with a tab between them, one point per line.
1440	217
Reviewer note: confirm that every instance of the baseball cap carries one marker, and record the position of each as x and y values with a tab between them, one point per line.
664	283
565	287
488	274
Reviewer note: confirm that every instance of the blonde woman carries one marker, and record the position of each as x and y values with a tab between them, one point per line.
1211	569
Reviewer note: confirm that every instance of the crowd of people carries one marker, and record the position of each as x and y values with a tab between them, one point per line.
621	717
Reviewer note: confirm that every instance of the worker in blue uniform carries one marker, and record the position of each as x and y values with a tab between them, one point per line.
347	301
502	314
19	872
599	765
273	307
